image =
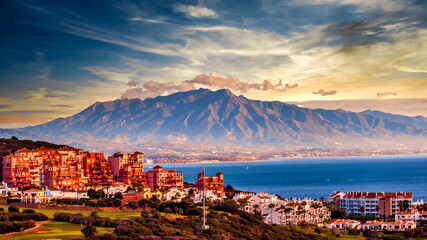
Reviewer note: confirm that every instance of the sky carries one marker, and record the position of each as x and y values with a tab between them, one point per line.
59	57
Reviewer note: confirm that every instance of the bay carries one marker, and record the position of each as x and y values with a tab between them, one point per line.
319	177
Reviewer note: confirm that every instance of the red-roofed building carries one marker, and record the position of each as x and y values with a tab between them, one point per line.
343	224
211	183
128	167
96	168
159	178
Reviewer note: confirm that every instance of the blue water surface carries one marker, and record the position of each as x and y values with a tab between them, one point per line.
319	177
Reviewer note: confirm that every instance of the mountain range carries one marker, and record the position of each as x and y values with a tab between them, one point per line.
220	118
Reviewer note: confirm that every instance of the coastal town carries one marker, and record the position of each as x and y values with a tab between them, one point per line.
43	176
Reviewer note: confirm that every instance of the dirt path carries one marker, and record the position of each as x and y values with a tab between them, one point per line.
37	227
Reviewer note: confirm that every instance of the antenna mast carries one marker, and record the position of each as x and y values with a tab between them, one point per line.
204	226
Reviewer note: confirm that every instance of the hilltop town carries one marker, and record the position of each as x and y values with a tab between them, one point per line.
42	176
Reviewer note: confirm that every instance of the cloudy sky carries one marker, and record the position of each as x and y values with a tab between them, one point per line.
58	57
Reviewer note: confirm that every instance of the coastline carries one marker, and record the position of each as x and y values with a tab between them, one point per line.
270	159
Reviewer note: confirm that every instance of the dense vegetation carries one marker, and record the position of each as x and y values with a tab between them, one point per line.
181	220
15	221
8	226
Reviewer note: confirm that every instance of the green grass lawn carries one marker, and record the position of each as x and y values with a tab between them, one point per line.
112	215
68	231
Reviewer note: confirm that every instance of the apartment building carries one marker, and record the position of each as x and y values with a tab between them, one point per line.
96	168
127	167
159	178
55	168
374	203
211	183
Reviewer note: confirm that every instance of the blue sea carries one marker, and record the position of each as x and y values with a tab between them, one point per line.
319	177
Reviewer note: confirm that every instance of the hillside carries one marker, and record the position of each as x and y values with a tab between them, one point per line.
223	119
12	145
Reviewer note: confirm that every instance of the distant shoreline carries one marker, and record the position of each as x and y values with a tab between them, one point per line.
278	158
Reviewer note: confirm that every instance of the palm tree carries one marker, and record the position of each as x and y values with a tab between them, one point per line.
243	202
362	209
256	207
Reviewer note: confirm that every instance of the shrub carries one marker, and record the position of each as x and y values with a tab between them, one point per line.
7	226
89	231
372	234
13	209
414	233
28	211
317	230
108	236
145	214
394	237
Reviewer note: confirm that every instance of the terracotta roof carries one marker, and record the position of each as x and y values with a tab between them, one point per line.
405	213
33	190
333	221
373	223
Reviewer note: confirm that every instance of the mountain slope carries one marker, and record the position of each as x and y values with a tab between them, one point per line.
222	118
419	121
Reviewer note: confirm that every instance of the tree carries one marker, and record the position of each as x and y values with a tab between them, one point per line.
89	231
242	203
256	207
145	214
362	209
404	205
118	195
133	205
191	193
341	214
168	210
117	202
180	211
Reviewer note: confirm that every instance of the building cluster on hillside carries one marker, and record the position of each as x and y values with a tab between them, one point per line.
43	175
68	173
373	203
398	208
283	211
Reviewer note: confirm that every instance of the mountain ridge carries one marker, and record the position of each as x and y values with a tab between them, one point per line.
221	118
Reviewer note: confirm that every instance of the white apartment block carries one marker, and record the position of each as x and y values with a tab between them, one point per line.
354	201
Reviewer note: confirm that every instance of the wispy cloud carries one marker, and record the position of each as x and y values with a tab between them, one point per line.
39	94
26	112
325	93
196	11
141	19
61	106
386	94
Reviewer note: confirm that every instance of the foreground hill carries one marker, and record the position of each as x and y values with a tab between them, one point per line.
222	118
